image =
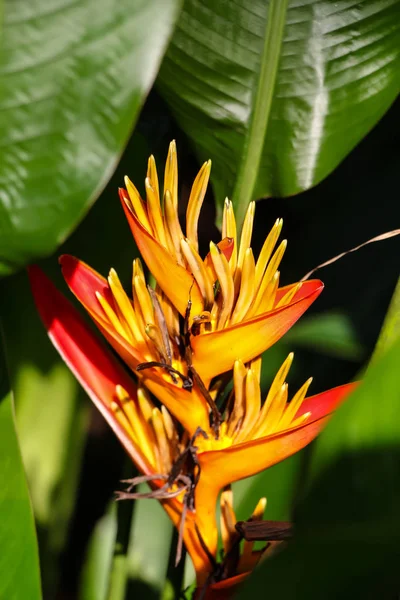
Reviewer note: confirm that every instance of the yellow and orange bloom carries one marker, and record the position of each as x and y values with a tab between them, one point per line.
236	301
204	317
255	435
251	437
146	329
237	309
237	562
147	433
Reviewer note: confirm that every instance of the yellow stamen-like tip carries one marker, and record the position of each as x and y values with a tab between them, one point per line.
238	363
263	503
309	382
137	268
122	394
214	250
113	275
252	207
260	508
127	181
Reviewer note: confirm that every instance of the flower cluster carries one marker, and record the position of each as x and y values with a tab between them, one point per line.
205	319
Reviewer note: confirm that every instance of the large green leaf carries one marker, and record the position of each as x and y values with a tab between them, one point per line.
73	76
277	93
348	524
19	563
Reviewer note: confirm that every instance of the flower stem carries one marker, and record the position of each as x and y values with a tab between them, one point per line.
255	138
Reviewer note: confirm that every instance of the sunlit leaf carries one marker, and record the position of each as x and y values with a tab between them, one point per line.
277	93
73	76
19	562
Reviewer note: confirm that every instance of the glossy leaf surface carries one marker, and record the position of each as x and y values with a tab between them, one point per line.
277	93
73	76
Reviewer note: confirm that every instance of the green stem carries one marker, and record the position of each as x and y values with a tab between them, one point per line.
390	331
254	142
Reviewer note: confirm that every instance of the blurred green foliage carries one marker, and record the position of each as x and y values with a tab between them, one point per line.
19	565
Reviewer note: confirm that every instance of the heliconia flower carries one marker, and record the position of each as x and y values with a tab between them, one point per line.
250	437
141	330
255	435
247	557
147	433
236	303
146	329
238	562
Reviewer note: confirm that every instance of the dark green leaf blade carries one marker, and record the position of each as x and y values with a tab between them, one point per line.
19	561
348	524
336	75
73	76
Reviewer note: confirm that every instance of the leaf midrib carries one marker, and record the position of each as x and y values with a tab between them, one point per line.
261	109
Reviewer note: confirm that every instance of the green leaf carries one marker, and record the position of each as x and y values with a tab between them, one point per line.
19	562
149	548
277	484
96	571
73	77
390	331
277	93
348	524
330	333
